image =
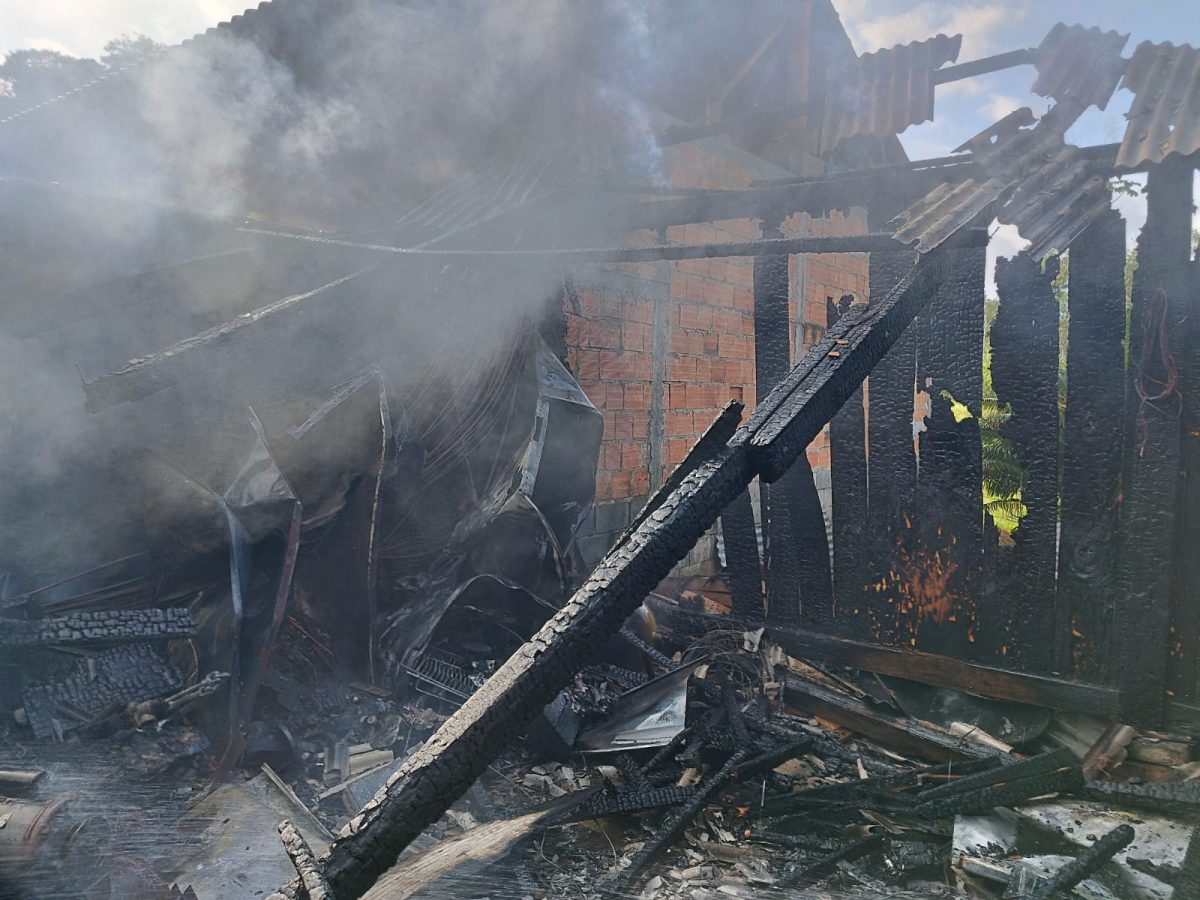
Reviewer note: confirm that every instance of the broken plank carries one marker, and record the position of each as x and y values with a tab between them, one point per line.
906	735
930	668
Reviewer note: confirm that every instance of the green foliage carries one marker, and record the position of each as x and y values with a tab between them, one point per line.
1003	475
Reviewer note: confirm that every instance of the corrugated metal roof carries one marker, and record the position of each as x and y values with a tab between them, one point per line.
884	92
499	184
1080	64
1164	118
1045	187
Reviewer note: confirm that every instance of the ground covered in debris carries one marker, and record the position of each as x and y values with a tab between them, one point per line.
692	759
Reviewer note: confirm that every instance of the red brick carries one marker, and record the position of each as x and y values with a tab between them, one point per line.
700	317
711	344
621	484
587	367
640	483
625	366
690	343
734	346
605	333
632	456
637	337
604	487
637	396
679	423
681	368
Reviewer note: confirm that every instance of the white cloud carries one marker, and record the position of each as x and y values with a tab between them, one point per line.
1006	242
976	22
83	28
1000	105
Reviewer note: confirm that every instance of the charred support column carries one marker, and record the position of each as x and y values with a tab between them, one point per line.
795	546
782	426
1091	485
1020	624
863	609
1153	419
1183	667
848	477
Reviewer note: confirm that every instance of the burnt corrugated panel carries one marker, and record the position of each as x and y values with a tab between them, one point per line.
1080	64
497	185
1046	188
1164	118
884	92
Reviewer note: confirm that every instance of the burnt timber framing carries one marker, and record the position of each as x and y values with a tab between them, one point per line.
780	429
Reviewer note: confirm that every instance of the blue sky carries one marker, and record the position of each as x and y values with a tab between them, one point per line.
967	107
81	27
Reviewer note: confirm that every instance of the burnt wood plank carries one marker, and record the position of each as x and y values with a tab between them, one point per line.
940	564
946	671
892	465
1152	452
848	478
743	565
1091	486
778	432
795	546
1025	376
1183	666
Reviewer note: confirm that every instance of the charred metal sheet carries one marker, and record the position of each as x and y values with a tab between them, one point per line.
884	92
95	627
1046	188
1164	118
98	685
1080	64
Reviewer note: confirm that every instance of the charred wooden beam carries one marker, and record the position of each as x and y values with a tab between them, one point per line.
1067	778
782	426
1027	768
98	627
1091	450
932	668
306	865
670	830
12	780
1086	863
985	65
856	243
1154	401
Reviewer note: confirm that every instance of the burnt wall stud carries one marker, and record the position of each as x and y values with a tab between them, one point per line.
1153	415
1091	488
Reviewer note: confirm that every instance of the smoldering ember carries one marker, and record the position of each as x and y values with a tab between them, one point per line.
546	449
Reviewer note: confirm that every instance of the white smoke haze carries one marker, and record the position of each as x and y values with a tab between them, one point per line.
339	117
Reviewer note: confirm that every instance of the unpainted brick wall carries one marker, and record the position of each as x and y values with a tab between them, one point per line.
661	347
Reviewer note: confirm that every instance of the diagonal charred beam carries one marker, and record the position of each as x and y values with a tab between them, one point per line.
306	864
445	767
1089	861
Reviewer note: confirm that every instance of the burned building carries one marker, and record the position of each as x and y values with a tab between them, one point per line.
584	415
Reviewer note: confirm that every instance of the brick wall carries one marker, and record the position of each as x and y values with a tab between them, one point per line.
661	347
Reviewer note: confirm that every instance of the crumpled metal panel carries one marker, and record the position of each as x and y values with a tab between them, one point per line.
1045	187
1164	118
884	92
1080	64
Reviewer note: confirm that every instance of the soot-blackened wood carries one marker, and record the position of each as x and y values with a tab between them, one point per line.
782	426
1151	479
865	613
794	541
848	486
1018	619
1091	463
1183	666
937	559
743	565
